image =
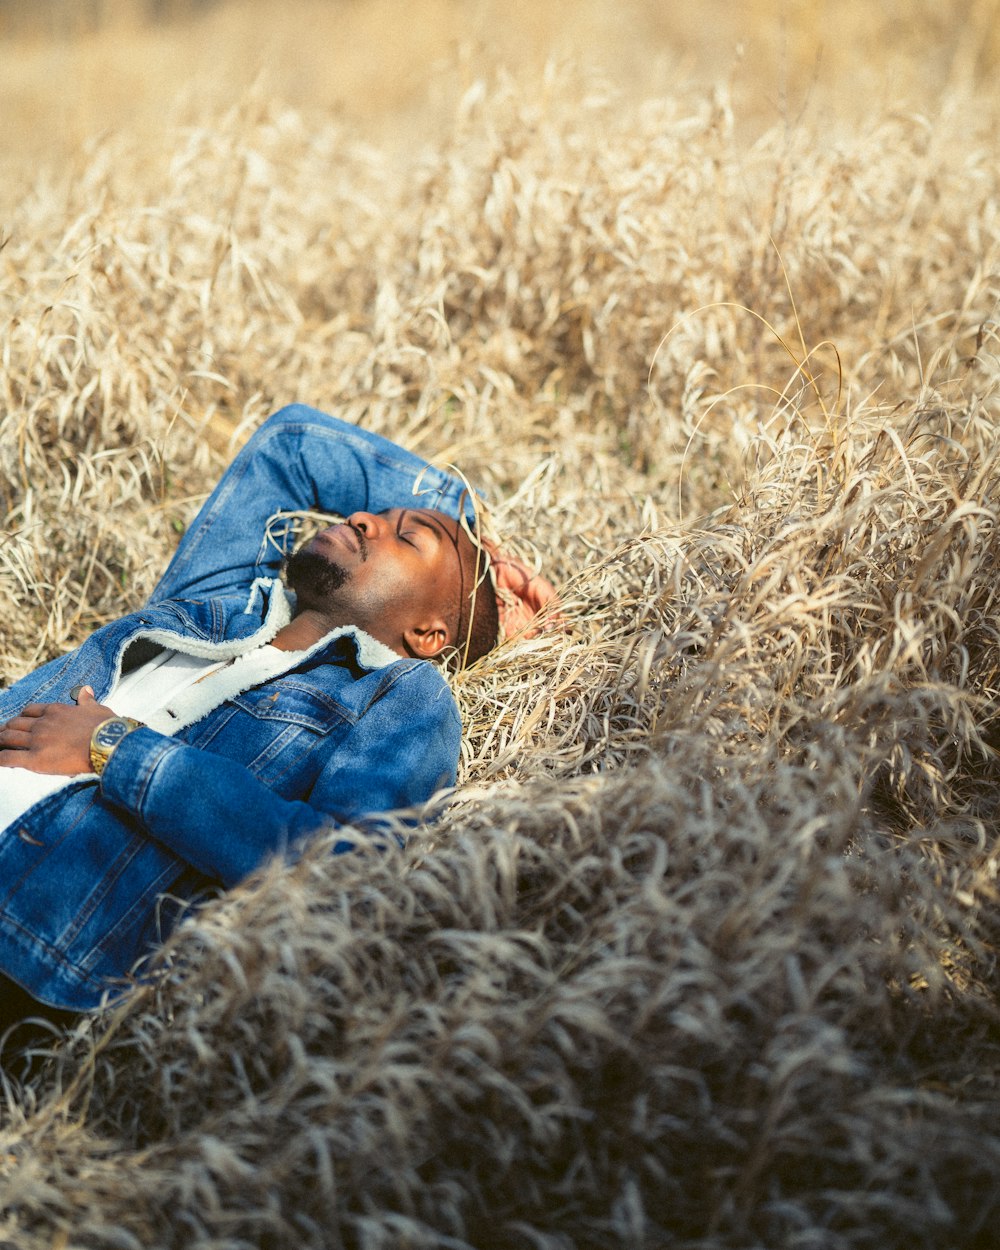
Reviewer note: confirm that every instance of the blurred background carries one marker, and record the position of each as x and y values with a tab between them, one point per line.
392	69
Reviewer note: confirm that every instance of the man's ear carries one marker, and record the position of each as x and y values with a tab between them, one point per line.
427	640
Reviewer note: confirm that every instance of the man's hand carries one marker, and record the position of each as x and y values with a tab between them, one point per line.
53	737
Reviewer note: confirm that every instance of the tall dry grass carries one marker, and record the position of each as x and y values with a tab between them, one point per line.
393	70
703	951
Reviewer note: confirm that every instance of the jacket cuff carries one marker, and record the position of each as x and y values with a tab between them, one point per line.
128	773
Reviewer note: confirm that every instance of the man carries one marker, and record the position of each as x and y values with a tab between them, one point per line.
179	747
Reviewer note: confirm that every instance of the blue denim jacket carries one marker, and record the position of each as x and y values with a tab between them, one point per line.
84	872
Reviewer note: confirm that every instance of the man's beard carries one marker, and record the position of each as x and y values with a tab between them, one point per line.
313	577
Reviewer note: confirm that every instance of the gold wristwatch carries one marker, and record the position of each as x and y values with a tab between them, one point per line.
106	737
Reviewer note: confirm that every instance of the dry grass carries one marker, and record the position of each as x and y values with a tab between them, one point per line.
704	951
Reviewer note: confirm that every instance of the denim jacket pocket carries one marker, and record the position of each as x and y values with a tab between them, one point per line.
282	733
296	703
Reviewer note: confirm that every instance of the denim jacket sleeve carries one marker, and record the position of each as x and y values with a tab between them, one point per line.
214	814
300	459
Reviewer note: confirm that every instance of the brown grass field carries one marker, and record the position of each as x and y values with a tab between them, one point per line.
703	951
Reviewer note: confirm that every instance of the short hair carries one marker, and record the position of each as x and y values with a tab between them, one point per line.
478	638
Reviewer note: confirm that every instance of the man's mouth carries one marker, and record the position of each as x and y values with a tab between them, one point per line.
349	535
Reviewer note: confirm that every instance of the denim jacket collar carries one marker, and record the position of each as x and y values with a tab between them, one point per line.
255	666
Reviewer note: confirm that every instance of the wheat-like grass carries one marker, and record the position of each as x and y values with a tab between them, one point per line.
702	952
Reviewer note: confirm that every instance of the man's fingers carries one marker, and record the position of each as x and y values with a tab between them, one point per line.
15	739
85	695
10	758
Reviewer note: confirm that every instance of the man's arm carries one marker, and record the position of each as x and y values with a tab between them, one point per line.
213	813
299	460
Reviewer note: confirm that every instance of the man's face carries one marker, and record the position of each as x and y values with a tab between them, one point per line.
400	575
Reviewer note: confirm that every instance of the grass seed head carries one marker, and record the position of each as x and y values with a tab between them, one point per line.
702	951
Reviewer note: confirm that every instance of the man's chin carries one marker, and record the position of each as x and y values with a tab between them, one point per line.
313	577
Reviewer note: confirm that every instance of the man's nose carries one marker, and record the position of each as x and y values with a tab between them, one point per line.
369	523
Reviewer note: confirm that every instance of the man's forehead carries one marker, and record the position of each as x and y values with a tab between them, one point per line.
433	515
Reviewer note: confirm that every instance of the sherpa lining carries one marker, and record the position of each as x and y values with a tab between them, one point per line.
253	665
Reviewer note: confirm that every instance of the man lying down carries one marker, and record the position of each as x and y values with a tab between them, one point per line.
179	747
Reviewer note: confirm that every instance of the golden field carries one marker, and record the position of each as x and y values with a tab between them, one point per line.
702	953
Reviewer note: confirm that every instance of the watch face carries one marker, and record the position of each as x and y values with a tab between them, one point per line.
111	733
